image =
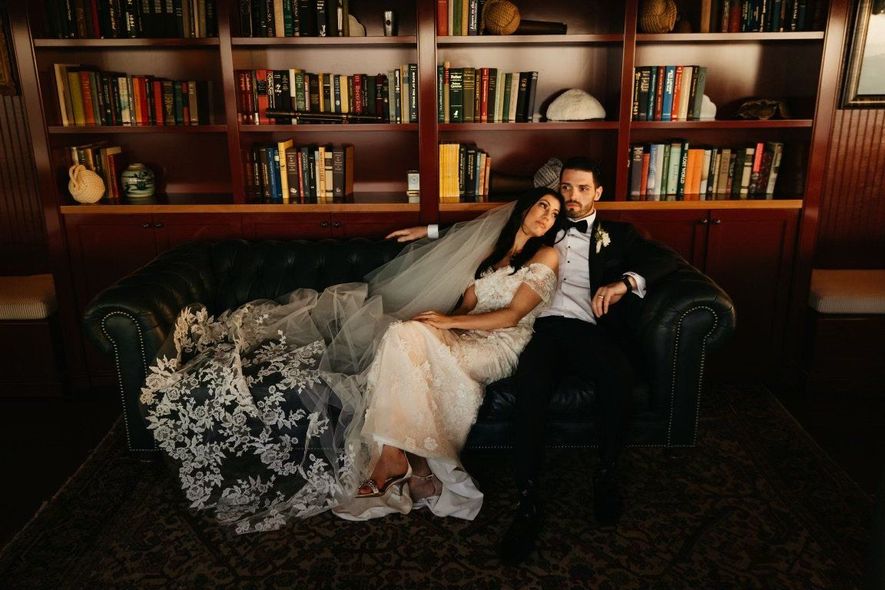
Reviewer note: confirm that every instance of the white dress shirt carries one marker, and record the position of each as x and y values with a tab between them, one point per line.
572	296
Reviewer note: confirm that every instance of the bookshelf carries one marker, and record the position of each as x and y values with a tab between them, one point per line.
203	182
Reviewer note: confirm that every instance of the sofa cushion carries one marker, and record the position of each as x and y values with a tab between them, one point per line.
847	291
29	297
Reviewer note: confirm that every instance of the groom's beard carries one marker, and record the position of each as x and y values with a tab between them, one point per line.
578	213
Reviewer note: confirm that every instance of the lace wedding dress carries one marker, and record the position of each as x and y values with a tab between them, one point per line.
425	387
262	410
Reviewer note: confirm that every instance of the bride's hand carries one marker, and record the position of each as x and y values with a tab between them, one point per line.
435	319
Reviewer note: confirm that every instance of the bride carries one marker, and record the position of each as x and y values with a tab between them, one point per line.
282	409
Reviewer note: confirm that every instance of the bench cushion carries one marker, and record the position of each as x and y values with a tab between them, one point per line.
29	297
848	291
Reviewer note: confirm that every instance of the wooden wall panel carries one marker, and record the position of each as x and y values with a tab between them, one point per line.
22	233
852	206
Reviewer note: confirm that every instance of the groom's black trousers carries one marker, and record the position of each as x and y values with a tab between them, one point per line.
559	347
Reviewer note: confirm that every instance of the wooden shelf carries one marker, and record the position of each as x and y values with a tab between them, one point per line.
546	126
109	43
736	124
329	128
360	202
728	37
451	41
400	41
140	129
651	205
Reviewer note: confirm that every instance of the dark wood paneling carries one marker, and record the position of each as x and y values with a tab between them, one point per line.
852	208
22	236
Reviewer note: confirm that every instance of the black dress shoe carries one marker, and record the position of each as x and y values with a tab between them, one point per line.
519	540
607	503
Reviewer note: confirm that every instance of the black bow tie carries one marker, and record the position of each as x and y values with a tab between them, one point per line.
581	226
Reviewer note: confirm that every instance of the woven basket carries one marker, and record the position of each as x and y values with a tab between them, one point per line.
657	16
500	17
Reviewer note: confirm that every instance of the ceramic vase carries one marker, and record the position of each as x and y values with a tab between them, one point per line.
137	181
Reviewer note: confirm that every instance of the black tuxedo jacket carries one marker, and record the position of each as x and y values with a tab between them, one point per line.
626	251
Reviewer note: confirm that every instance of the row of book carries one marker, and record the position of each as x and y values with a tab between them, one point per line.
89	96
464	173
760	16
459	17
122	19
104	160
677	171
294	18
485	95
668	93
295	96
283	172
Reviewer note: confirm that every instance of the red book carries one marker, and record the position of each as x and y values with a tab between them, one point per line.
93	16
677	92
442	18
157	99
300	178
144	106
358	94
734	17
88	93
185	103
643	183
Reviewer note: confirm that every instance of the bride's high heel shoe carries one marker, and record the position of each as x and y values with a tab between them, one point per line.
391	497
390	483
427	499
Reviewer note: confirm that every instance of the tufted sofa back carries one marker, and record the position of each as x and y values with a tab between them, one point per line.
239	271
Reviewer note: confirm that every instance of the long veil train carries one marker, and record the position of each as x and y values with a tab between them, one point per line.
261	408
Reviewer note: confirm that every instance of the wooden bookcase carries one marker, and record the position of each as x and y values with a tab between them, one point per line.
758	250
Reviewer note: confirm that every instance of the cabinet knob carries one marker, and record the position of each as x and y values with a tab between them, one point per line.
717	221
158	225
324	224
704	221
336	224
145	225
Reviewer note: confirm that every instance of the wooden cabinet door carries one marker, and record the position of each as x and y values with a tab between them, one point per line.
750	255
177	228
371	225
103	249
286	226
684	231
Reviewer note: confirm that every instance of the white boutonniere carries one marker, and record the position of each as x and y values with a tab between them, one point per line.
602	238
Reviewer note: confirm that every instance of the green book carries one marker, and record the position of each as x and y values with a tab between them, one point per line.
469	86
456	95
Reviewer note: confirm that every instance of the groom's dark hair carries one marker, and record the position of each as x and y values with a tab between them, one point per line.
508	233
585	164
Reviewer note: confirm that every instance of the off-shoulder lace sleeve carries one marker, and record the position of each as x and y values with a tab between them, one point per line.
541	279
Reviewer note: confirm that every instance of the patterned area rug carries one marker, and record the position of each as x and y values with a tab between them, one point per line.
756	505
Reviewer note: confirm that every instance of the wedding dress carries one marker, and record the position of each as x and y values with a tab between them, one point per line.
425	387
262	409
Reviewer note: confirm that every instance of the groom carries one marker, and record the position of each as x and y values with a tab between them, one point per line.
604	269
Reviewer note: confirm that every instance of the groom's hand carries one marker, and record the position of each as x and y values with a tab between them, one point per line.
607	295
409	234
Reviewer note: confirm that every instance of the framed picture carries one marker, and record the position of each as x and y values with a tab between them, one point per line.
7	68
864	80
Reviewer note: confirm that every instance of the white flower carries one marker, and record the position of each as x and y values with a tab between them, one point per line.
602	238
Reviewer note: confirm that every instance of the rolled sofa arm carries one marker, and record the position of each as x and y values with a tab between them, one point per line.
683	317
132	318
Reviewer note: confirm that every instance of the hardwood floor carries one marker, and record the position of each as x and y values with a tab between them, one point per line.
43	442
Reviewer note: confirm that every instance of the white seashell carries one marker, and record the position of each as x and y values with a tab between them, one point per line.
575	105
356	28
85	185
708	109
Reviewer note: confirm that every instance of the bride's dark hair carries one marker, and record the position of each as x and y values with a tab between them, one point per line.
508	233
